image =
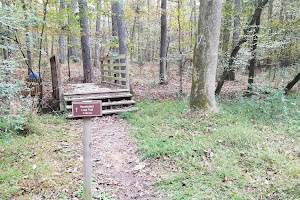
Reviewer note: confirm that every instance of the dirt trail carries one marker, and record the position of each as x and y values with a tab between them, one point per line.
117	168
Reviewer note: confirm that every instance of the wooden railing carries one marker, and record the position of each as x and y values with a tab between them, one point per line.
33	85
115	70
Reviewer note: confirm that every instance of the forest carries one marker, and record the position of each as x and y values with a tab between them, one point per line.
199	98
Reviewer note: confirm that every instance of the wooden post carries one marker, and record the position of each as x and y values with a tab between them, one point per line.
56	81
127	74
87	158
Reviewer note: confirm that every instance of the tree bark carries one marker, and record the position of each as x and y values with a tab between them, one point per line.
244	39
206	56
227	27
114	24
74	36
237	23
291	84
121	27
163	44
253	53
61	40
97	35
182	58
28	48
85	42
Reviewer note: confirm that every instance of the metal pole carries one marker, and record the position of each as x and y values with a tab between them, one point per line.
87	158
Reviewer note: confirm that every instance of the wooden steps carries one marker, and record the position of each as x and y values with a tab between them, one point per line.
112	111
113	101
106	104
123	96
96	92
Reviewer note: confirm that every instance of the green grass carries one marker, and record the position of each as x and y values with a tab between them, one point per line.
255	144
40	162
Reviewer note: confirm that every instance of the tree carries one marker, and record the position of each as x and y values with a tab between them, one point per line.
236	29
163	43
74	37
253	59
206	56
236	49
85	42
97	35
61	40
121	27
114	24
28	48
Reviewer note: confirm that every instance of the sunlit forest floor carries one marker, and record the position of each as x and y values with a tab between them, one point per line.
250	149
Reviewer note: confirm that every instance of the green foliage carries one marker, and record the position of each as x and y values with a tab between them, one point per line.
36	164
15	23
247	151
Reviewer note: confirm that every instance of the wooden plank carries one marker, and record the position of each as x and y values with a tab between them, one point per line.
121	56
115	111
127	75
33	85
123	86
116	103
113	65
115	71
97	92
114	78
98	98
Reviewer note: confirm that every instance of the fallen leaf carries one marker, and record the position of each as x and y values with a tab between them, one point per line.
57	174
291	156
139	166
34	166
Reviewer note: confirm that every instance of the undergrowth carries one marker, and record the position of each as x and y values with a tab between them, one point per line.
249	150
40	164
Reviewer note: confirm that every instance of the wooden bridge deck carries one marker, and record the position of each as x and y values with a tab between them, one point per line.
114	101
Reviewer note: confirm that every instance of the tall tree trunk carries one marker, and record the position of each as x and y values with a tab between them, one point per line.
40	52
27	35
121	27
244	39
52	44
61	40
85	42
236	35
181	56
137	11
97	35
253	59
147	50
163	43
237	23
74	36
226	35
227	26
114	24
206	56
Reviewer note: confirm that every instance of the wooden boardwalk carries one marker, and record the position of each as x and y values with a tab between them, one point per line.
114	101
115	95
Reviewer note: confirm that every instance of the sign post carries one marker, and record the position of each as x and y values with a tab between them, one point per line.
87	110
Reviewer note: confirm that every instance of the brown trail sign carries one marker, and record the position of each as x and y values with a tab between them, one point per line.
87	110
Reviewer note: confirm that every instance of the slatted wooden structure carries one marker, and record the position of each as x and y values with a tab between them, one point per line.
33	85
114	71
